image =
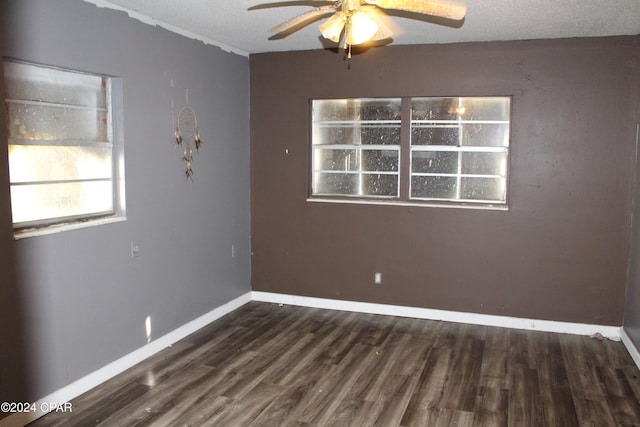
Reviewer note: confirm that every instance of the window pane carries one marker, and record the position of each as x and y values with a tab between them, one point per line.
336	183
356	160
483	189
47	201
380	185
467	134
491	108
377	134
355	184
434	162
380	160
356	109
335	110
34	83
436	135
434	187
464	108
356	134
379	109
485	135
335	160
37	122
434	108
478	163
28	163
334	135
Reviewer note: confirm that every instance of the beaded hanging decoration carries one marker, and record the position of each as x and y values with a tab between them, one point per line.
186	132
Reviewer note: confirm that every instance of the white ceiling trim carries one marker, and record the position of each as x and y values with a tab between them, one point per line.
156	23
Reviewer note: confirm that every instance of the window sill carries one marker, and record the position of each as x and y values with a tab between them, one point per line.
23	234
409	204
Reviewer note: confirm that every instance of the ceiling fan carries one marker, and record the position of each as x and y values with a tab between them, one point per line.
361	20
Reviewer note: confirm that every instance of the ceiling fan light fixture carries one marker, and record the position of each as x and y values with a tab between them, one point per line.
332	28
361	28
383	30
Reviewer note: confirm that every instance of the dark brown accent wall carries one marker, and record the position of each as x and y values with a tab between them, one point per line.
632	309
558	253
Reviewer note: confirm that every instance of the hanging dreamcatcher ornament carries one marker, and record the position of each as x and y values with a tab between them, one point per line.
186	132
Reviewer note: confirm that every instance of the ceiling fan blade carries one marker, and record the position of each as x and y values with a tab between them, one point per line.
304	18
442	8
282	3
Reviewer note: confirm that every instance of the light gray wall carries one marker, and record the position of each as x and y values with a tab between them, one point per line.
74	301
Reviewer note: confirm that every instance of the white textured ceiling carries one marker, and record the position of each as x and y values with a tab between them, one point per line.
231	25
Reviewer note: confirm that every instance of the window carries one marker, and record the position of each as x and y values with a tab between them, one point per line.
62	163
356	147
451	150
459	149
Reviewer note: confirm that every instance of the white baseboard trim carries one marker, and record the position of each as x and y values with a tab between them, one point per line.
86	383
611	332
631	348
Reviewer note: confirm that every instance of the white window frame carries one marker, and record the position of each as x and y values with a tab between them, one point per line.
355	145
115	143
405	156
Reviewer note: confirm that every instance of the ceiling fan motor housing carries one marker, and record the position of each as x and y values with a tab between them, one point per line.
350	5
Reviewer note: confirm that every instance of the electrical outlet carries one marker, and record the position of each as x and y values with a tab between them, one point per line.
136	249
377	278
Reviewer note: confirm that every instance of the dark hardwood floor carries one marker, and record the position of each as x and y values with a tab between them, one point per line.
271	365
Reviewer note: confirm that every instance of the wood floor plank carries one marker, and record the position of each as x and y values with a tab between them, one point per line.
312	351
555	390
203	414
444	417
392	356
289	404
464	373
273	365
243	411
593	413
99	411
525	401
202	400
159	399
433	377
622	403
353	412
337	385
493	371
491	407
632	375
581	367
397	401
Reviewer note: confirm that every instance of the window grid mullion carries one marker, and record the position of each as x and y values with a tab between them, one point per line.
60	181
60	143
55	105
405	150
